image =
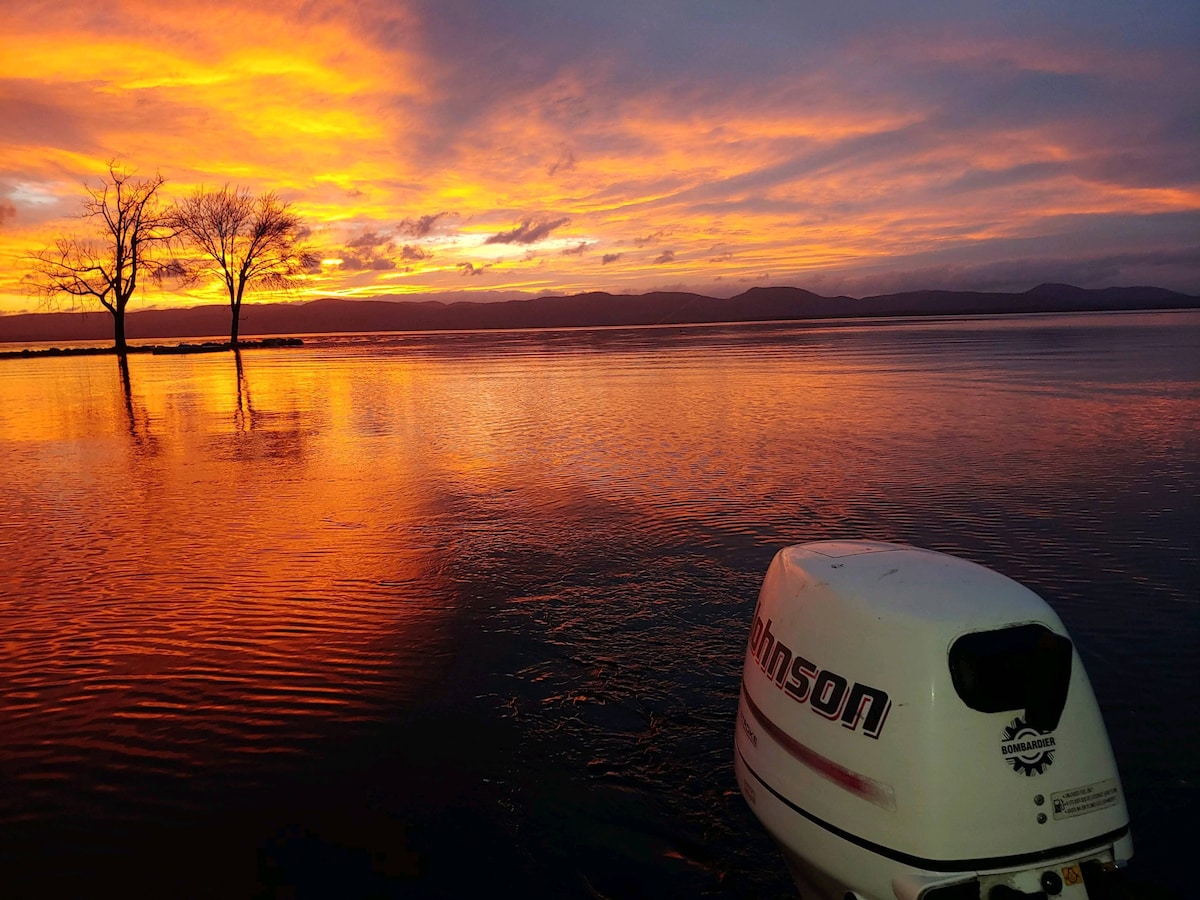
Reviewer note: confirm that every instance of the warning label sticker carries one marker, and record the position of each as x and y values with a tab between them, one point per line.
1082	800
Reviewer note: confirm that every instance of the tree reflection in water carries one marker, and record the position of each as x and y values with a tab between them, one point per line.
144	442
263	434
243	417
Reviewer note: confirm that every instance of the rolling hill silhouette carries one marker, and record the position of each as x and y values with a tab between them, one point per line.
579	310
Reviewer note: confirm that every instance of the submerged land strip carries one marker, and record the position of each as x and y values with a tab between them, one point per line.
156	349
597	309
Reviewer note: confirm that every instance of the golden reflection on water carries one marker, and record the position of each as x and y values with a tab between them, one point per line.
200	558
226	543
250	577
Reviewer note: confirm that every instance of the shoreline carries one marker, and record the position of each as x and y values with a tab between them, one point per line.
154	349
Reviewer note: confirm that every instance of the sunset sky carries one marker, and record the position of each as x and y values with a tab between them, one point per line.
557	147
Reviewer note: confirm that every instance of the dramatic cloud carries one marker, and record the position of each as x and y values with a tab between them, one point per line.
530	231
971	144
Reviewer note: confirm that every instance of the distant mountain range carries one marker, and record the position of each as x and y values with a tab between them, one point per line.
579	310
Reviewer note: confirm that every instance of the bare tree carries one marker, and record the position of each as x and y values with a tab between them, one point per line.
128	227
244	240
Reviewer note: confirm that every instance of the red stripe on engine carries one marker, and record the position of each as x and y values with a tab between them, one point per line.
868	788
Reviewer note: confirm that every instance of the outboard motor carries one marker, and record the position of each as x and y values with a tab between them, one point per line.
919	727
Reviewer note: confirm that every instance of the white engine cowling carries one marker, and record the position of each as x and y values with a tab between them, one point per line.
913	725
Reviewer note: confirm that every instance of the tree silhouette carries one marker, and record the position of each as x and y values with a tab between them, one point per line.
243	241
128	226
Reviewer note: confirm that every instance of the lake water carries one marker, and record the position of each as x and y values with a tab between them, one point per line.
420	615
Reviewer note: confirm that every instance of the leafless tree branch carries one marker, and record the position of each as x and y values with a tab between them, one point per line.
244	241
126	230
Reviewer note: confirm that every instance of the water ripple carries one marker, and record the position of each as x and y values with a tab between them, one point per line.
384	591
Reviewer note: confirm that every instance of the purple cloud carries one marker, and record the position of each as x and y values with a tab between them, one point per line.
652	238
420	227
368	239
355	262
564	163
530	231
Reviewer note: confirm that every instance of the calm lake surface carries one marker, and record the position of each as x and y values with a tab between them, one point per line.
421	615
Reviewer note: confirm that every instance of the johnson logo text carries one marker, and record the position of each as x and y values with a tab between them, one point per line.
825	692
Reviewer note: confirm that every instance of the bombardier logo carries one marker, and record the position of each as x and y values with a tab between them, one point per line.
826	693
1026	749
